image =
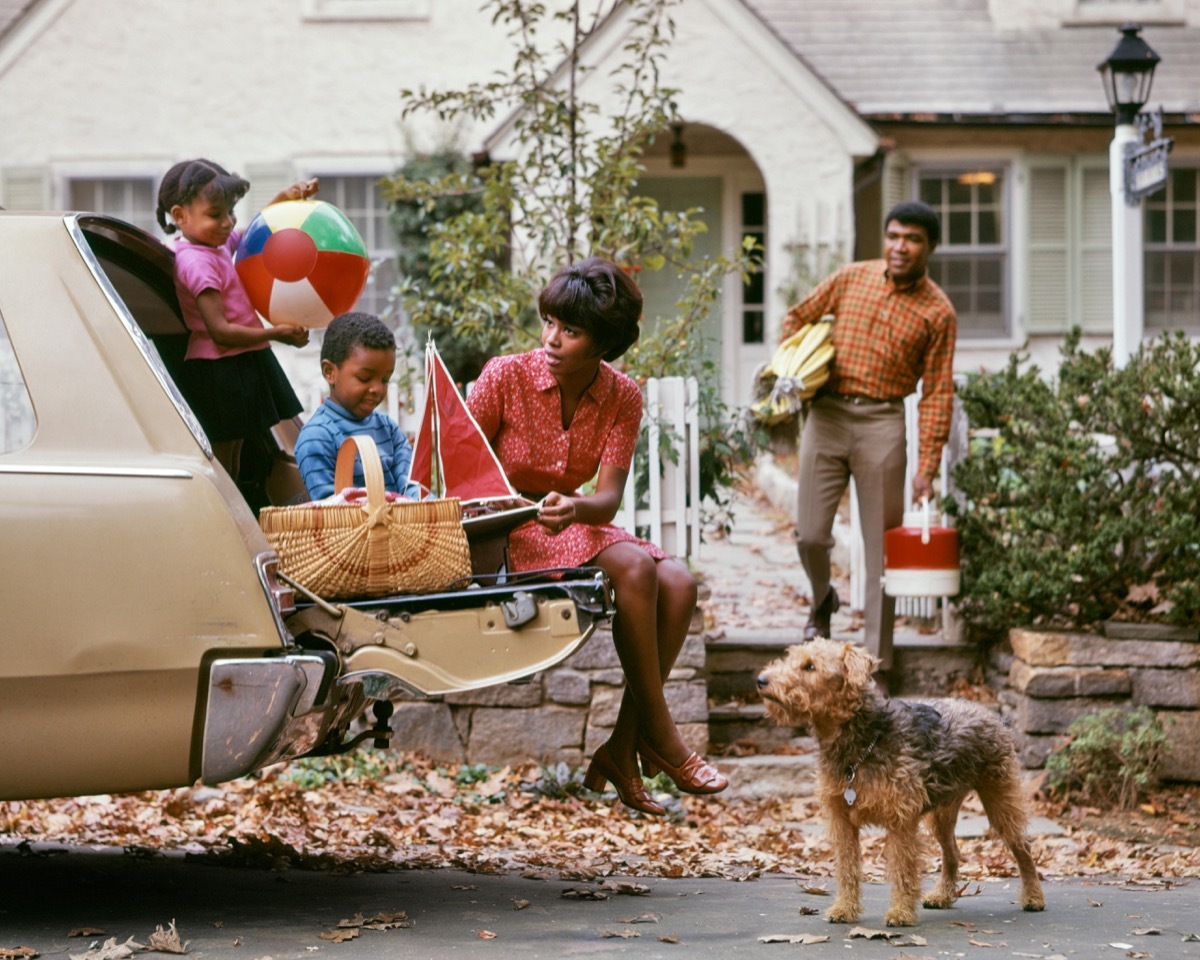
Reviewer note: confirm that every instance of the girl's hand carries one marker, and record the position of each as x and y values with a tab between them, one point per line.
297	336
556	512
300	190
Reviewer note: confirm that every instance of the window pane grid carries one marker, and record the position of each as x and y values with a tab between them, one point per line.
971	263
131	199
754	217
1172	254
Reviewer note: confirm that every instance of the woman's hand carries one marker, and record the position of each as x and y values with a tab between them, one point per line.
556	512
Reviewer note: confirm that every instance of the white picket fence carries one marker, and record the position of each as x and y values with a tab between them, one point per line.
671	517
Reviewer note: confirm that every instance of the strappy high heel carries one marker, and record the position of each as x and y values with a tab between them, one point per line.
631	790
695	775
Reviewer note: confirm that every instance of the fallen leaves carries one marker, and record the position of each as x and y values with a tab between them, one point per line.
350	929
166	941
109	950
18	953
804	938
576	893
420	815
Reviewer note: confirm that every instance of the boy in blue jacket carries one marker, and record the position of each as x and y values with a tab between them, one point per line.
358	358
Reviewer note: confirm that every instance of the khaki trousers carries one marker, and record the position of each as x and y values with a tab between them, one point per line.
863	439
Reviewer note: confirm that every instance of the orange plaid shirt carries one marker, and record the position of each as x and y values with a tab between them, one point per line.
886	338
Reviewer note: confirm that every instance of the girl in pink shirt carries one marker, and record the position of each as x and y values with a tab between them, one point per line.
231	378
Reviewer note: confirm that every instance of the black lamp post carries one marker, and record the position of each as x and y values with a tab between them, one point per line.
1128	73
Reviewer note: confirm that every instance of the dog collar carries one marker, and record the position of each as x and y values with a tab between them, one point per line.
849	794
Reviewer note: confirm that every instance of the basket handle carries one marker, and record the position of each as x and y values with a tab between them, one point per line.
376	508
353	447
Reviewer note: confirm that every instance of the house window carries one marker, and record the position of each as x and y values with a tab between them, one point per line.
754	226
1172	253
132	199
971	263
358	198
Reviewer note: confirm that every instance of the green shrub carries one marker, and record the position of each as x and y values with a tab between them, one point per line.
1110	758
1076	502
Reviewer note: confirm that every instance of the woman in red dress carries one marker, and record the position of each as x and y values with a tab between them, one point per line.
553	416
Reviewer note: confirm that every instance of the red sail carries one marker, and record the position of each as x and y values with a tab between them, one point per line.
451	456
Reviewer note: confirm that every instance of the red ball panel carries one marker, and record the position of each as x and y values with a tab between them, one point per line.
257	280
290	255
339	279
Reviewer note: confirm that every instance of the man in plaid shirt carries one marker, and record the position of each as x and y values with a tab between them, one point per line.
893	326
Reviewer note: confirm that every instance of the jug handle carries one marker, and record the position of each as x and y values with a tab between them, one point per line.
925	520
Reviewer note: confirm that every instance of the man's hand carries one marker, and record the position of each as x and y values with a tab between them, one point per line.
922	488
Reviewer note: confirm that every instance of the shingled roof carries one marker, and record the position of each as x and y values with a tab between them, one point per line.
946	57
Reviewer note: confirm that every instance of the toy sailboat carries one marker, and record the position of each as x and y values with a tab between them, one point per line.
452	458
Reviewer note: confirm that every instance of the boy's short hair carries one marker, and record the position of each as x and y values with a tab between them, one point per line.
356	329
914	213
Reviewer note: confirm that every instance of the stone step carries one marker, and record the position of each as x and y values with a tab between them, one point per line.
747	725
923	665
770	775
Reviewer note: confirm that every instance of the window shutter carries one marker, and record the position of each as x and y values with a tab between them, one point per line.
1049	269
266	180
24	188
1095	251
896	184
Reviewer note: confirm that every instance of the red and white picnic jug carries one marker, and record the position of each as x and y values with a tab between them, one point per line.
919	559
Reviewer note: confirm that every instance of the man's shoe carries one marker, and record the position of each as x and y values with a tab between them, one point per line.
818	618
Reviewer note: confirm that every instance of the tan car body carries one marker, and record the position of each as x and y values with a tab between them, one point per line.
147	642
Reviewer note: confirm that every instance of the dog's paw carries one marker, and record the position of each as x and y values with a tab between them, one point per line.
1034	906
936	901
900	918
841	913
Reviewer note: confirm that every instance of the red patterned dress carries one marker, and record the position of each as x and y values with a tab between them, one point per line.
518	405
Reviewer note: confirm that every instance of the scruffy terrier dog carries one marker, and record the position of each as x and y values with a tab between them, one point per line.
891	762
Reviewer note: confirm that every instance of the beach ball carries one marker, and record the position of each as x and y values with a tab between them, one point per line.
302	262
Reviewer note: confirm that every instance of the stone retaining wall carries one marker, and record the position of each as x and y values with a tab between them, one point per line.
561	715
1054	677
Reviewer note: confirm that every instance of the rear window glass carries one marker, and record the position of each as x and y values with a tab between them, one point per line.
17	420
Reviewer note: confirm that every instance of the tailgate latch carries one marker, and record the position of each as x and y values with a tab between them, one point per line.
519	610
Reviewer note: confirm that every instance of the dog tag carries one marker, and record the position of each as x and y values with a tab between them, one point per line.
850	796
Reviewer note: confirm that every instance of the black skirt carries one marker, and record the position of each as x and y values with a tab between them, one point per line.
235	397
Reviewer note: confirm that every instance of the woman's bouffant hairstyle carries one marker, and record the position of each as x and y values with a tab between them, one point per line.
189	179
599	298
357	329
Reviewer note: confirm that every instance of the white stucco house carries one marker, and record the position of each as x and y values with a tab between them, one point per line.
802	121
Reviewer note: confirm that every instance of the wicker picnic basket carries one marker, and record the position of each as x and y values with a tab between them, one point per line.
348	551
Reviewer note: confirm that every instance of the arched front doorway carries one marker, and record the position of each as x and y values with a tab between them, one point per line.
698	166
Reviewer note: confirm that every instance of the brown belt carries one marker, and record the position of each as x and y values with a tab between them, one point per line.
858	398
